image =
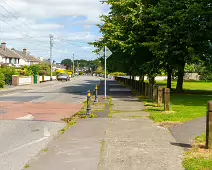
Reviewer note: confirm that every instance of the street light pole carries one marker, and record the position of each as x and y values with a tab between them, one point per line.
105	72
51	45
73	65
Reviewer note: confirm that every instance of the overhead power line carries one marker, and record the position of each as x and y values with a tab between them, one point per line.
9	6
14	27
15	17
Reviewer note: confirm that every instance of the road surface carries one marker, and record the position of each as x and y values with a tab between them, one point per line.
32	118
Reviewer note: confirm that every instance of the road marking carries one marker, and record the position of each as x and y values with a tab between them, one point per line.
23	146
27	117
46	132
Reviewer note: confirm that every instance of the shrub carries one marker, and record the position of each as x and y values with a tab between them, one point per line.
45	70
35	69
118	74
2	80
8	73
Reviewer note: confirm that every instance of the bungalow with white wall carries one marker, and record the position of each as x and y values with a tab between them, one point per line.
25	58
7	56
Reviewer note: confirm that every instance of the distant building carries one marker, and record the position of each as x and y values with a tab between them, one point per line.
7	56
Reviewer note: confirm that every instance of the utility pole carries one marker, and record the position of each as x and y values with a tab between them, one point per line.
51	45
77	67
73	65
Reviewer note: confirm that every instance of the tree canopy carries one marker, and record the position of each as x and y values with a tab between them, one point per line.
150	36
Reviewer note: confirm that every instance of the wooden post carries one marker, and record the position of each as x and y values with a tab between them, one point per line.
155	93
160	96
140	87
167	99
143	88
149	91
209	126
146	89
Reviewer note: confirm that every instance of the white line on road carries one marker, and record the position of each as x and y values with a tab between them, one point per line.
46	132
25	145
27	117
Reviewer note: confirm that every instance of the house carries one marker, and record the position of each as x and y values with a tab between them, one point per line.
7	56
26	58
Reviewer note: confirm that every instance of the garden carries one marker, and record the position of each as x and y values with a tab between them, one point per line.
6	72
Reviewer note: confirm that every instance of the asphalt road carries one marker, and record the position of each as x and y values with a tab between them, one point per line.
21	140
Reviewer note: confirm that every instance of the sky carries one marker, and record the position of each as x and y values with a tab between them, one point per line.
28	24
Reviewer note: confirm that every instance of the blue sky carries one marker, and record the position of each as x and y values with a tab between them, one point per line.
72	23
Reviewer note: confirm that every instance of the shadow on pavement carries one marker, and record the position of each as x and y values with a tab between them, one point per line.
183	145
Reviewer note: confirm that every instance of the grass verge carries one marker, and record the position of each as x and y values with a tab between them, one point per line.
198	158
185	107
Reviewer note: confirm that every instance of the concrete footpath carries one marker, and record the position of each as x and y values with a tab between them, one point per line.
128	140
133	141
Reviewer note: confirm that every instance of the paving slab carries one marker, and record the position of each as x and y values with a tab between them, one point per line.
136	114
78	149
137	144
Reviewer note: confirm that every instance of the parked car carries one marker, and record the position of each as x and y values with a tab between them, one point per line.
62	77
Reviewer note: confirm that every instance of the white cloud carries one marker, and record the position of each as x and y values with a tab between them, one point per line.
31	12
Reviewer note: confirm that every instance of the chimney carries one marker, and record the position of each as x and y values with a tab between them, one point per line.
13	49
25	51
3	46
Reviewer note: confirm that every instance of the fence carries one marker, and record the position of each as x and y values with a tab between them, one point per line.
156	93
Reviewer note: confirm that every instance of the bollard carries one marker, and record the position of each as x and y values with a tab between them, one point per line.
160	96
167	99
209	126
155	93
96	94
88	102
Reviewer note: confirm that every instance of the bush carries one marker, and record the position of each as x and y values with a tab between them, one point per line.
35	69
118	74
2	80
8	73
45	70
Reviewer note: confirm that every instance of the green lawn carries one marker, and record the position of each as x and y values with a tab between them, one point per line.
186	106
190	85
198	158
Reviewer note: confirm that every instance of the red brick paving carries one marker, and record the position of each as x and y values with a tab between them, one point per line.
40	111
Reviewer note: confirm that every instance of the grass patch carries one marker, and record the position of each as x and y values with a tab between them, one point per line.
26	166
191	86
198	158
185	107
45	150
68	126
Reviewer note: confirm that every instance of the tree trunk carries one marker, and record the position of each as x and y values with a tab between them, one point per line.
152	80
179	87
169	78
141	78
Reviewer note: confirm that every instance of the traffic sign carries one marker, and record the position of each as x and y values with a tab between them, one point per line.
105	52
108	52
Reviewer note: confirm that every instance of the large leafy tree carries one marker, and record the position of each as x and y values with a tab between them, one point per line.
149	36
